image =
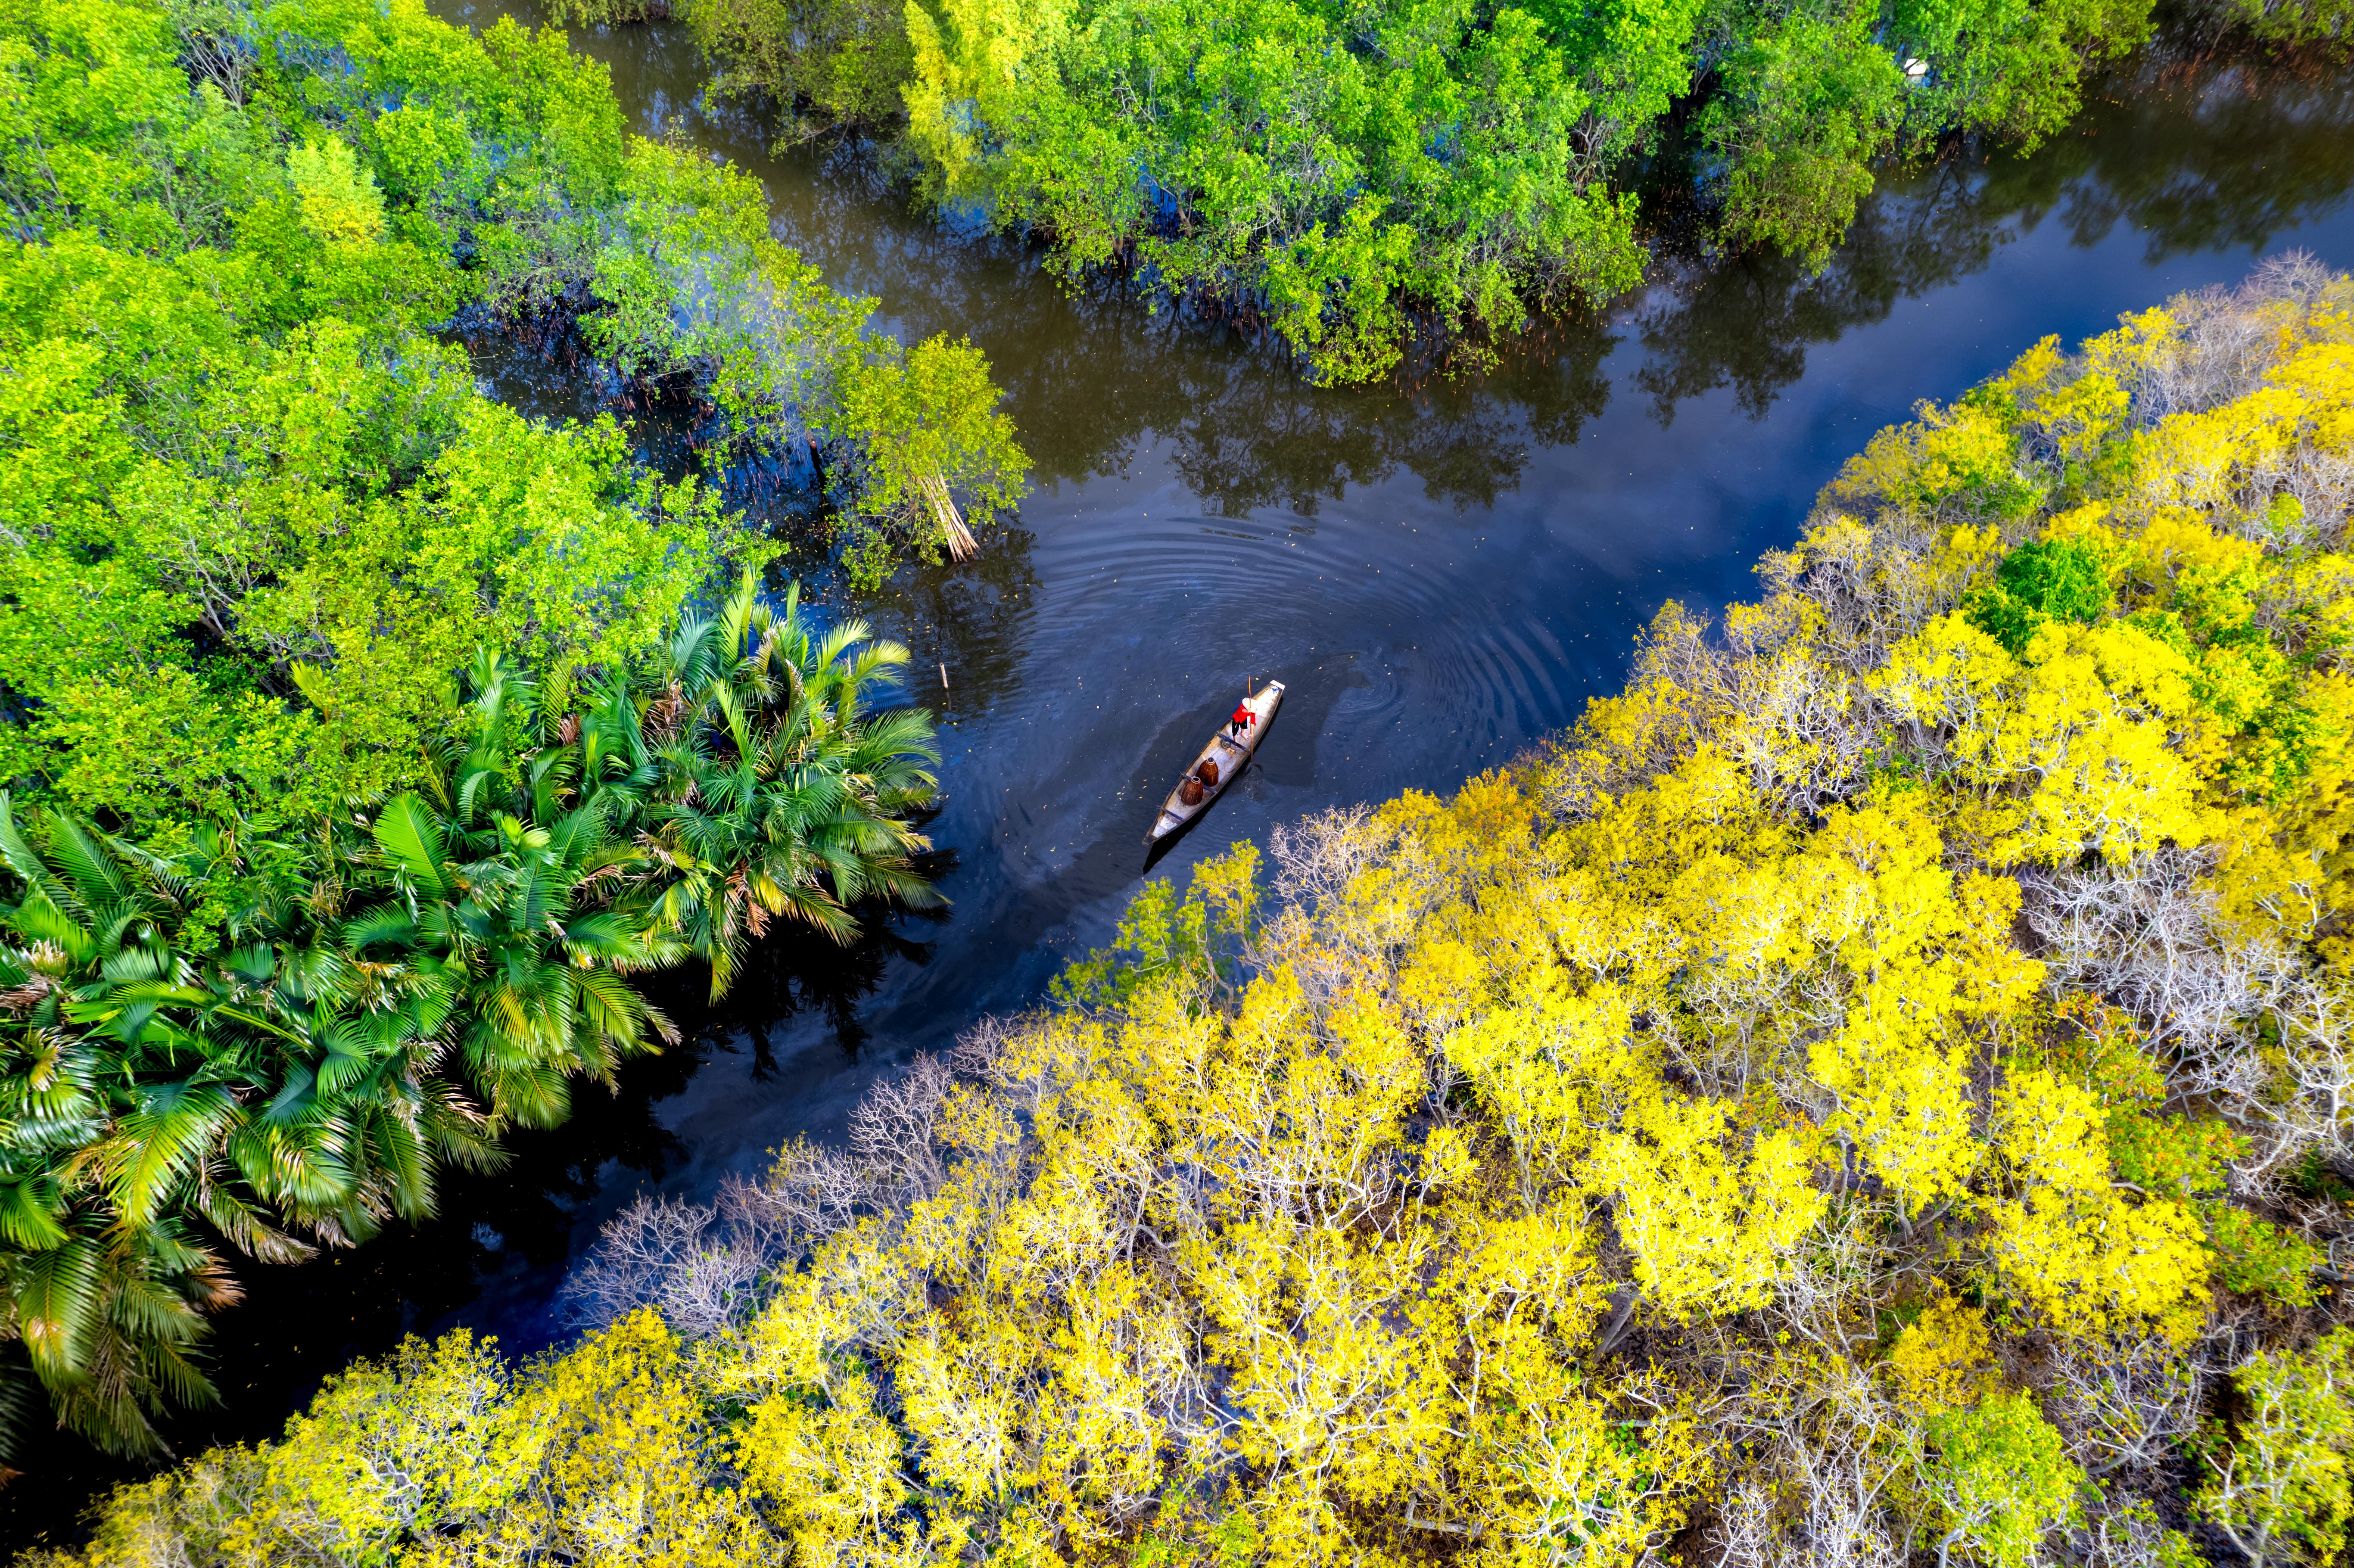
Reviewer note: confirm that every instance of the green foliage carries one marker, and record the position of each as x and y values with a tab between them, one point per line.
2309	1176
2177	1157
1166	942
2256	1258
771	790
2001	1479
2324	26
2042	581
825	63
924	421
1806	106
284	1041
1363	179
225	431
2277	1485
607	13
305	895
2061	579
1334	169
2001	68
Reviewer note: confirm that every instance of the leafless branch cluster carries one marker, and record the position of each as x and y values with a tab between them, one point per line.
1872	587
2320	480
1818	1495
704	1266
2129	1537
700	1265
2247	1022
2144	933
1333	943
1318	857
2123	1408
2229	337
892	1133
1803	730
809	1193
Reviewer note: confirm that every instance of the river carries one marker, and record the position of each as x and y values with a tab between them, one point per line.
1440	574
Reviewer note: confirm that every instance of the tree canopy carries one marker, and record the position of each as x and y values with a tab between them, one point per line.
1367	180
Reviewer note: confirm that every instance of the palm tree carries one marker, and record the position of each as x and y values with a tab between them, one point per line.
110	1128
492	892
154	1097
277	1079
777	792
199	1052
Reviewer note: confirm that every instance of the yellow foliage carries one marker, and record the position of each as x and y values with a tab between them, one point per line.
432	1437
2086	1260
1946	452
1710	1229
1555	1479
339	199
829	1469
1949	675
2089	525
1939	1361
2079	752
1907	1105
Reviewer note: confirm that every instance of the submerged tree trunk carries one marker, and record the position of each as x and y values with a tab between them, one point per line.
961	544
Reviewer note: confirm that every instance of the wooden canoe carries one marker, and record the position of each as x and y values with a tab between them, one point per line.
1230	755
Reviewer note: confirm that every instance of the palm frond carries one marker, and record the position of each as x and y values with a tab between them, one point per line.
55	1297
411	836
158	1145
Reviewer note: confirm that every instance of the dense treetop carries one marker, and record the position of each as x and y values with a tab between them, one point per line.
1359	177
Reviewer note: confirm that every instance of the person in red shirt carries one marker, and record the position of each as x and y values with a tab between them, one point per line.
1243	718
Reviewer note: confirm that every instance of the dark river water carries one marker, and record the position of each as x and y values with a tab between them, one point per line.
1441	573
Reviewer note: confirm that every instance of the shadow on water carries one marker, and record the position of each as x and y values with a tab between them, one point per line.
1441	573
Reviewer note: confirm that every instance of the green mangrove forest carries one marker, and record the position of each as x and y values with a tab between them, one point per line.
1356	177
364	736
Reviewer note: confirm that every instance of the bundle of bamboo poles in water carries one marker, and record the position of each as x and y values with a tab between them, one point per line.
961	544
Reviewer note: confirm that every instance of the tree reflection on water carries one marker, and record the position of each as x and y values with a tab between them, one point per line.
2196	157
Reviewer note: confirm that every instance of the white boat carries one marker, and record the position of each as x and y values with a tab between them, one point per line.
1228	753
